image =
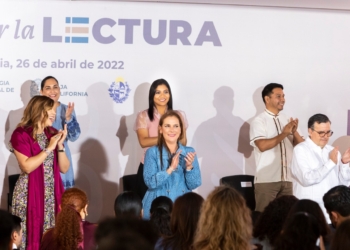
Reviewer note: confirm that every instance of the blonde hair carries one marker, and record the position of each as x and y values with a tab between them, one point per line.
35	112
225	221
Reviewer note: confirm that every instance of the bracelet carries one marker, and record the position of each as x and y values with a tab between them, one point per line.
61	150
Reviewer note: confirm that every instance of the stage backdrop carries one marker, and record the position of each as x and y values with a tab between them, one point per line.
216	59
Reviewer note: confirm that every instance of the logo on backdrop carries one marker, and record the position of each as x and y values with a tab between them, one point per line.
35	87
119	90
83	29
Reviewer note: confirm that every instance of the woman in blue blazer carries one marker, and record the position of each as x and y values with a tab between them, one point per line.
170	168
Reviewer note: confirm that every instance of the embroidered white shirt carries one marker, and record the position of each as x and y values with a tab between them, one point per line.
271	165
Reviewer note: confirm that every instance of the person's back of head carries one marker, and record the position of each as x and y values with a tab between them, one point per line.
312	208
160	211
183	222
67	233
337	203
341	239
271	220
128	204
225	221
17	232
6	226
127	233
300	231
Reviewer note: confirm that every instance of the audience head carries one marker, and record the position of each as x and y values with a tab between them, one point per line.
341	238
271	221
312	208
127	233
39	112
67	232
128	203
159	88
183	221
269	90
225	221
6	226
160	214
17	231
337	204
300	231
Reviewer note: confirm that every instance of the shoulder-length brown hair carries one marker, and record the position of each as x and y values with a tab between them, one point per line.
183	222
67	233
36	112
161	142
225	221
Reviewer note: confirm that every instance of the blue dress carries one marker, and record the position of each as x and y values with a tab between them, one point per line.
160	183
73	134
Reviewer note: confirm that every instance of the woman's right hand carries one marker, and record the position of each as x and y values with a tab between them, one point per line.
174	162
54	140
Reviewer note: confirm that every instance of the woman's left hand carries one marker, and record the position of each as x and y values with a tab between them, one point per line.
62	134
69	111
189	159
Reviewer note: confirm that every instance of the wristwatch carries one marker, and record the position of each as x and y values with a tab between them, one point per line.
61	150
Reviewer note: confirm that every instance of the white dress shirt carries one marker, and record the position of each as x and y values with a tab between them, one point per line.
314	173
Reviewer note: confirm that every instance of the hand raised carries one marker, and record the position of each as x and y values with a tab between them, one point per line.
288	129
175	161
190	158
63	134
333	155
296	123
53	141
69	110
346	156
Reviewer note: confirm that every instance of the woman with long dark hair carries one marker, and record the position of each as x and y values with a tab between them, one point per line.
65	115
72	231
171	169
40	153
183	223
146	125
161	210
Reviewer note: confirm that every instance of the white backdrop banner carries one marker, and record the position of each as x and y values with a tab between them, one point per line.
216	59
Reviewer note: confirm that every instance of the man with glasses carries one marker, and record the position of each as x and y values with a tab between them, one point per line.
316	166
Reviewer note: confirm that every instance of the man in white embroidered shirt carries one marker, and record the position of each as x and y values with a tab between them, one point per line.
273	135
318	167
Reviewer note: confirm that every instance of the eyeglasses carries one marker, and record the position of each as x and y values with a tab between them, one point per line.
323	134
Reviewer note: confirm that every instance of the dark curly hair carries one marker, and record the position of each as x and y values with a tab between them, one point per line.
67	234
272	218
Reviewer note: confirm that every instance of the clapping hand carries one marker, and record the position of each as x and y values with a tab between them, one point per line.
346	156
189	160
333	155
175	161
69	111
